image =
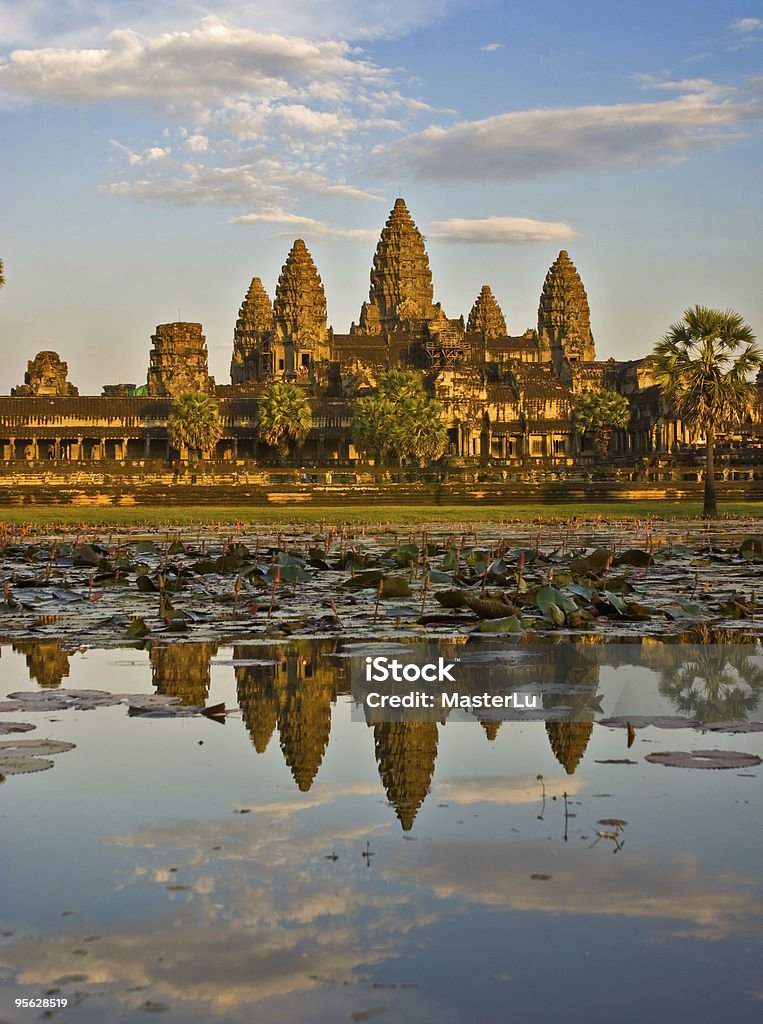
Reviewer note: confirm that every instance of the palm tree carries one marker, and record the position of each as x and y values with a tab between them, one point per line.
703	366
397	385
194	423
419	431
372	425
601	412
400	419
283	415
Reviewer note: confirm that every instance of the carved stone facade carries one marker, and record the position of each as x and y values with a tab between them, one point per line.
46	375
504	399
401	295
564	319
254	331
486	317
178	361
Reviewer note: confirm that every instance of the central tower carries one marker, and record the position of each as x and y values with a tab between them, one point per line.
401	294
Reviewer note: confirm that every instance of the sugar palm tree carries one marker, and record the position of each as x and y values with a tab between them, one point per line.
372	425
399	419
419	431
397	385
703	367
194	423
599	413
283	415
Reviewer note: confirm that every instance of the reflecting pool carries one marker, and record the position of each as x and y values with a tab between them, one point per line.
293	860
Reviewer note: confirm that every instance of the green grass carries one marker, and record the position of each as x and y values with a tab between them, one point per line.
401	515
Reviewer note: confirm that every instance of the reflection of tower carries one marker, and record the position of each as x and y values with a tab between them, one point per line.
568	742
575	665
48	663
307	687
182	670
257	698
405	753
491	727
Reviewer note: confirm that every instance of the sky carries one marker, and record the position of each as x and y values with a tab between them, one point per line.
154	158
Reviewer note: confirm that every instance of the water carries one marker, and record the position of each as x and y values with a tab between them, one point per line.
296	865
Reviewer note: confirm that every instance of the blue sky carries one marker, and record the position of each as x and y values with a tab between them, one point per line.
154	159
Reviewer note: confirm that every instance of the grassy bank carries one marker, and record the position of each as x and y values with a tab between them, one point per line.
147	516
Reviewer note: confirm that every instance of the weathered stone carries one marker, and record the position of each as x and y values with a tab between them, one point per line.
300	303
178	361
46	375
486	317
254	328
564	319
401	294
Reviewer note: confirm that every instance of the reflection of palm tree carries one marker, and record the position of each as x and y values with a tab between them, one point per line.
405	753
716	683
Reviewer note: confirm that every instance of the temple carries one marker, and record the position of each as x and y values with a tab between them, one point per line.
506	399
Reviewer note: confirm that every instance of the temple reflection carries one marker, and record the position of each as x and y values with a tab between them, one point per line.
183	670
290	689
406	753
47	661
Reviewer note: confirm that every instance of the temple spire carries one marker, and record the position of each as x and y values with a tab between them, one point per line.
401	292
564	319
486	317
300	302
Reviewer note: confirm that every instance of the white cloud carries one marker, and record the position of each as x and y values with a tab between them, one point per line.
215	60
744	26
491	47
500	229
318	122
307	225
261	114
194	184
535	143
79	21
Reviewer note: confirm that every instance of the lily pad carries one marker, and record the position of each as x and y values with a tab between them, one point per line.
510	624
704	759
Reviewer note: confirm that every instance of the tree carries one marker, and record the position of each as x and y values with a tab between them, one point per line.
372	425
194	423
419	431
703	367
399	419
283	415
397	385
599	413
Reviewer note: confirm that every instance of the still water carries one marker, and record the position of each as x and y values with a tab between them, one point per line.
295	864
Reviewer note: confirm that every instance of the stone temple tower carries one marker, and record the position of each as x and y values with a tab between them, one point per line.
252	358
301	336
564	319
486	317
401	294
